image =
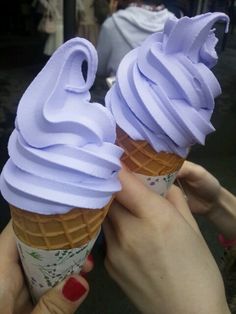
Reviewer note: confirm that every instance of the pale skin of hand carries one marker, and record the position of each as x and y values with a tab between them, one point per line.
201	188
157	255
207	197
14	295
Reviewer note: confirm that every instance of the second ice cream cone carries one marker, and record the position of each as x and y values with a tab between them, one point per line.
164	95
157	170
141	158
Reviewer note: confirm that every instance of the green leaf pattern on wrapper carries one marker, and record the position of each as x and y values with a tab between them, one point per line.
50	270
35	255
44	269
169	179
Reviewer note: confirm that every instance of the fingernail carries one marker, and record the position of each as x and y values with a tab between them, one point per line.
73	290
90	258
83	274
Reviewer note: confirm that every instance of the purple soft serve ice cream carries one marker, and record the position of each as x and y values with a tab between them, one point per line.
62	152
165	90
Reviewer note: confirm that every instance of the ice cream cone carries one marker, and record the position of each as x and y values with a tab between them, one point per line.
61	176
53	232
52	247
156	170
164	95
141	158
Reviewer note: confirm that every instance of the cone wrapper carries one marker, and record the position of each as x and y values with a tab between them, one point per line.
158	184
156	170
45	268
52	247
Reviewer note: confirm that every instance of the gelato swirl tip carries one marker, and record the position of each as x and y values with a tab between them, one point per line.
62	151
165	90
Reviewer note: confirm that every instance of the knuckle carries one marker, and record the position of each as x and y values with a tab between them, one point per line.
49	305
201	170
127	240
165	222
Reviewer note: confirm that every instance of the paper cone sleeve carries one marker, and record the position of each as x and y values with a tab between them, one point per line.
53	232
141	158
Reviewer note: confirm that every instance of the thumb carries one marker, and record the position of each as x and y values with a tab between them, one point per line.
136	197
64	298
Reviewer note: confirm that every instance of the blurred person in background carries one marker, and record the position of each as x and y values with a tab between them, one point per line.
88	26
54	40
55	9
126	29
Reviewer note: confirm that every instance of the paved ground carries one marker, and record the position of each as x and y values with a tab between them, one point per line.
218	155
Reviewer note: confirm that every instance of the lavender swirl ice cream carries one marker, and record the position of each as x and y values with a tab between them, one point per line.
165	89
62	152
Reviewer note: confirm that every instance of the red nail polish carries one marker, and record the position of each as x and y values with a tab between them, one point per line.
90	258
83	274
73	290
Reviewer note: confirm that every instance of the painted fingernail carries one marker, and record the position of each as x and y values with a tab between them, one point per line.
90	258
73	290
83	274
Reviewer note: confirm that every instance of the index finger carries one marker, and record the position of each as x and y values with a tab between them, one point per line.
190	171
176	197
136	197
8	244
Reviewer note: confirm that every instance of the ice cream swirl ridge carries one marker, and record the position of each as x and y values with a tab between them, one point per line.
62	151
165	90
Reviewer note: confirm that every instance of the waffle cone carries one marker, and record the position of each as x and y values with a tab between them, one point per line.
52	232
141	158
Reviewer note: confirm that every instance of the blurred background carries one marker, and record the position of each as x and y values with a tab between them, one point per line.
24	51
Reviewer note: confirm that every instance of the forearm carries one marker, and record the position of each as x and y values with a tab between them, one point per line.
223	216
